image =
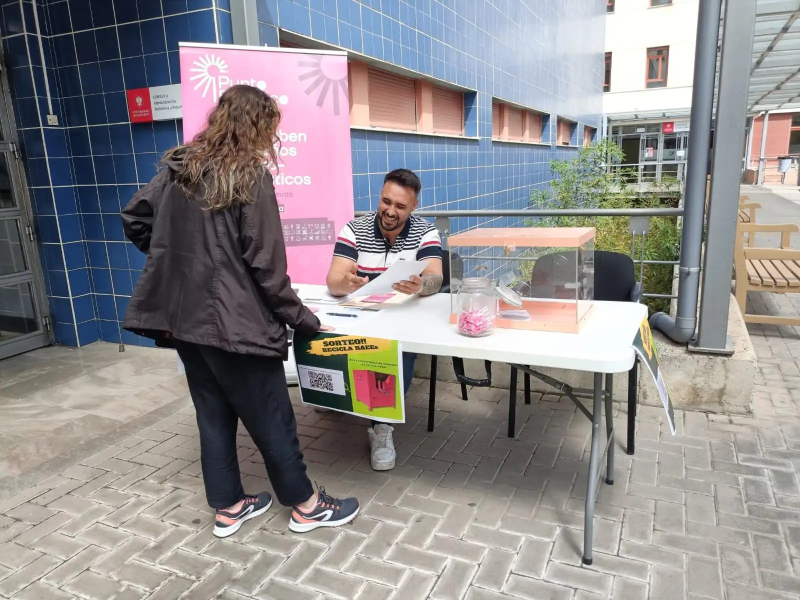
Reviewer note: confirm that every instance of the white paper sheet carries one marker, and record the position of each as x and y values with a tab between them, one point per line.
317	297
402	270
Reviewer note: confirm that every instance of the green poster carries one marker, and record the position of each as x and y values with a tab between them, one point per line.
645	347
354	374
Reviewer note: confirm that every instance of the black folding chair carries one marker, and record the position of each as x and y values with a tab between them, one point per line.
458	363
614	281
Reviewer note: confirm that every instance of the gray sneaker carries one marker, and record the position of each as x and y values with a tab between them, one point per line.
383	455
327	512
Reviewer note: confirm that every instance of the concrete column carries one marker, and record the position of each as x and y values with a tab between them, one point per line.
681	329
734	82
244	20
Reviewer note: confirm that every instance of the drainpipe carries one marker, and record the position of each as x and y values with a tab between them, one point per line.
681	329
50	115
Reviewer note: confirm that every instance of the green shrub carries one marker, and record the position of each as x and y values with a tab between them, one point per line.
588	182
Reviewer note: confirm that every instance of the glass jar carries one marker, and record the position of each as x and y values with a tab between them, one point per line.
476	306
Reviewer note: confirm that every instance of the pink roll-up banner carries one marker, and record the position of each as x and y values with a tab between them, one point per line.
314	182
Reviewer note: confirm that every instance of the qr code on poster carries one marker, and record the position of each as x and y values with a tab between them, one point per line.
316	379
320	381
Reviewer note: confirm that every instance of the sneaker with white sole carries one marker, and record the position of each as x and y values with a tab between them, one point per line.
383	455
327	512
228	522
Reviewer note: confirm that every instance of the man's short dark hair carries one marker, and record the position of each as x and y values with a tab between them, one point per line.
404	178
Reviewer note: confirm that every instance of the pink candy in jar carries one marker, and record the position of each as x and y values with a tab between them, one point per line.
475	323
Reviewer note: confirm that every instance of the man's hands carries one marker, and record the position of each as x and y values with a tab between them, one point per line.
427	285
343	277
352	281
410	287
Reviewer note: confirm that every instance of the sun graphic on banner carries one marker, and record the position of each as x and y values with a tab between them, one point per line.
208	69
327	77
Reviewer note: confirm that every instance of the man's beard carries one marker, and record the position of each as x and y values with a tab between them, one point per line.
392	225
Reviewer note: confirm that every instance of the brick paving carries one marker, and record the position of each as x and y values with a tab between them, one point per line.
713	512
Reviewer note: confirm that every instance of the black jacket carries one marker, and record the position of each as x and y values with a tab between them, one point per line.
216	278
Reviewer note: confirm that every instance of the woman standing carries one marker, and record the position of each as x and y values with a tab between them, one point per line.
215	285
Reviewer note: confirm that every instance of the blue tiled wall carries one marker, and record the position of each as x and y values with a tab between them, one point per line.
81	172
546	55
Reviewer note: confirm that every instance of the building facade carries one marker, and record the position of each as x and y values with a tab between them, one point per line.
499	91
649	68
781	139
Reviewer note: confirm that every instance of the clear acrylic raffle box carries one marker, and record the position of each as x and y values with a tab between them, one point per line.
550	268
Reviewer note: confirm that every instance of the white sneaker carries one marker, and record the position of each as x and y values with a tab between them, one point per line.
380	440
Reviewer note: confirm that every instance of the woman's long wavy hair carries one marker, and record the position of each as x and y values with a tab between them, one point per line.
223	164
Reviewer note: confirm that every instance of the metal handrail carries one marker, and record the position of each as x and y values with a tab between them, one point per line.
776	156
562	212
546	212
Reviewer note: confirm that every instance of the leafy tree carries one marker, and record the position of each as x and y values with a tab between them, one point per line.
593	179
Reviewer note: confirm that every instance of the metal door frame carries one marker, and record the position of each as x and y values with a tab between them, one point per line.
23	215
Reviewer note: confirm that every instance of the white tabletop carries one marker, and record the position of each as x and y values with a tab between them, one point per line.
423	326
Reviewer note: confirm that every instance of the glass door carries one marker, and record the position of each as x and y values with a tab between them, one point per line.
24	324
671	155
649	156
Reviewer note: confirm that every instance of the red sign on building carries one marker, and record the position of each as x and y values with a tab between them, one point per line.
139	106
668	127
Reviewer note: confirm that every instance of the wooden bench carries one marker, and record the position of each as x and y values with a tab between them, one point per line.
775	270
747	210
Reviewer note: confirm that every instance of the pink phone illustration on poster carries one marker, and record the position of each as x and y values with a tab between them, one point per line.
314	180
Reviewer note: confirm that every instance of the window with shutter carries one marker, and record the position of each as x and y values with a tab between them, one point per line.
392	101
515	130
495	120
564	132
589	134
448	111
534	127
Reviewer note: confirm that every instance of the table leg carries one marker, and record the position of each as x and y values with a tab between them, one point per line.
432	393
512	405
594	466
632	393
610	428
527	388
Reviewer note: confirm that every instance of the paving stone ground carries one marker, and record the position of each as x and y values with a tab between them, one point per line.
713	512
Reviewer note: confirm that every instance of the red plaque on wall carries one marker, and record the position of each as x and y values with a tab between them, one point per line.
139	105
668	127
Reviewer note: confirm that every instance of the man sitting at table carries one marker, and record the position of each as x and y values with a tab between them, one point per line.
369	245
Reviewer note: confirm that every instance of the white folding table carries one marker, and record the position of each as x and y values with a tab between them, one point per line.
603	347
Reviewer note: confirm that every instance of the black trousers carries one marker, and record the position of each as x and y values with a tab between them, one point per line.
226	387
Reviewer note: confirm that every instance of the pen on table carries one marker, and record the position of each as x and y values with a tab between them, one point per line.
343	315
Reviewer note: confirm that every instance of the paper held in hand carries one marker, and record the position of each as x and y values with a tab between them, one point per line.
402	270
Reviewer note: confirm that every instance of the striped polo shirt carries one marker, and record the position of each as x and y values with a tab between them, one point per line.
362	241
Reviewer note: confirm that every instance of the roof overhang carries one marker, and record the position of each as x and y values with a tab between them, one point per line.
775	67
